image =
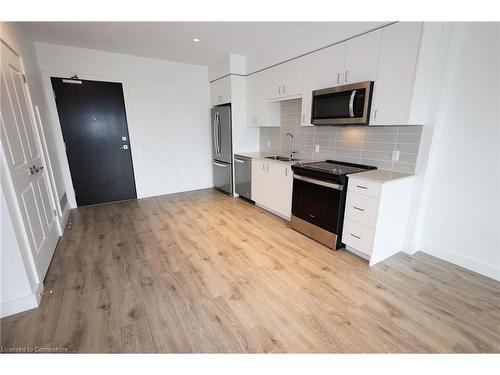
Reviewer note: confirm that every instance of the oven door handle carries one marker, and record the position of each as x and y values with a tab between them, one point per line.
351	103
319	182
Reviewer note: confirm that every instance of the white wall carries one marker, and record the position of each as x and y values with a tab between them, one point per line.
168	113
458	219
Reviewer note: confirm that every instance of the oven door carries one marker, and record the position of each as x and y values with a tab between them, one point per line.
348	104
317	202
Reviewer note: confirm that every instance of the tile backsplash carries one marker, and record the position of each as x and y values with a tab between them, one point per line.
370	145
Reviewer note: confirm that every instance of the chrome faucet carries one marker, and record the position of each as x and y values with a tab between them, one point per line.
292	145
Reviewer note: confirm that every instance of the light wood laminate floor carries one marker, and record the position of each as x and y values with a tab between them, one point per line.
203	272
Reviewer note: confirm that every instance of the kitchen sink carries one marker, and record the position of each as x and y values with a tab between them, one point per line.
281	158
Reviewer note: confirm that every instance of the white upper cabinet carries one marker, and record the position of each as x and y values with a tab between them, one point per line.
361	58
396	72
307	87
285	80
387	56
328	67
257	90
220	91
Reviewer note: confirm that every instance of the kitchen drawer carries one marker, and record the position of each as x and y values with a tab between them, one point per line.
364	187
358	236
361	208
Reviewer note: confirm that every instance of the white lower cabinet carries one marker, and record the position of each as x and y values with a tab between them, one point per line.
272	186
376	216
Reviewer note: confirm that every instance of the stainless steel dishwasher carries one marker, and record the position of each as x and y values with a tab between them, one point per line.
243	176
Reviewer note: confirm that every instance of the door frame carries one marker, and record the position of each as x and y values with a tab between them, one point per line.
47	74
28	255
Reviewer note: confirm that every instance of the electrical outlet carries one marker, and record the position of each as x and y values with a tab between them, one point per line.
395	155
316	149
268	143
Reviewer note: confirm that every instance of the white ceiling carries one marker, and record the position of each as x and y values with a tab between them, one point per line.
264	43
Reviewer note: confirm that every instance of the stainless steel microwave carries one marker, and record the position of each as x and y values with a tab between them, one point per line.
342	105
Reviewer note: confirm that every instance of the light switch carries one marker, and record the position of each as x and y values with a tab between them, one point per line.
316	149
395	155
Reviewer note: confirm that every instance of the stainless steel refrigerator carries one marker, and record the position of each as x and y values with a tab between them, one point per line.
222	152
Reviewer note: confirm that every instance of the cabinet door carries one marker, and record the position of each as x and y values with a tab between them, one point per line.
328	65
307	87
251	99
396	72
220	91
280	188
259	177
361	59
274	81
293	77
261	98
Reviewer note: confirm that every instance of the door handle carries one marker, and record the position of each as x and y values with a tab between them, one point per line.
351	103
219	128
220	164
124	147
34	170
214	137
239	160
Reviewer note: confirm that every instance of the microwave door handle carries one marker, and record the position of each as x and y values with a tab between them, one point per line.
351	103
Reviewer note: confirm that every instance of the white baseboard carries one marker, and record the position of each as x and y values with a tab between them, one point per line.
287	218
357	252
471	264
22	304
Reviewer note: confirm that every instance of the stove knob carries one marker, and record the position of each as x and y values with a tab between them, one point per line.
341	171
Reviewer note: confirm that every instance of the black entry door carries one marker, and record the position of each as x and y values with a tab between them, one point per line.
94	126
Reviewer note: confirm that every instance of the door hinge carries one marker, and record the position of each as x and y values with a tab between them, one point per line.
24	78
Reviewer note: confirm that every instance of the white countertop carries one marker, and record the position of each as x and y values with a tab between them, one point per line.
380	175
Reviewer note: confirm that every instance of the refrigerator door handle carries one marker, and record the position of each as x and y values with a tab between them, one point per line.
214	134
219	134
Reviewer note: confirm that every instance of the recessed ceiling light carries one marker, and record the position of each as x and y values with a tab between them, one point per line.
196	40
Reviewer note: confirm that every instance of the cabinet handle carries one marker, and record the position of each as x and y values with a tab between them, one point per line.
284	89
346	75
303	119
375	114
286	171
279	90
267	167
361	187
263	166
358	237
338	77
356	208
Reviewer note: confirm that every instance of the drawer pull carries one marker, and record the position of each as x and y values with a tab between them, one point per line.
359	209
361	187
358	237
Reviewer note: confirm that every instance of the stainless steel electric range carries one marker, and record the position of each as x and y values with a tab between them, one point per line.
318	199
